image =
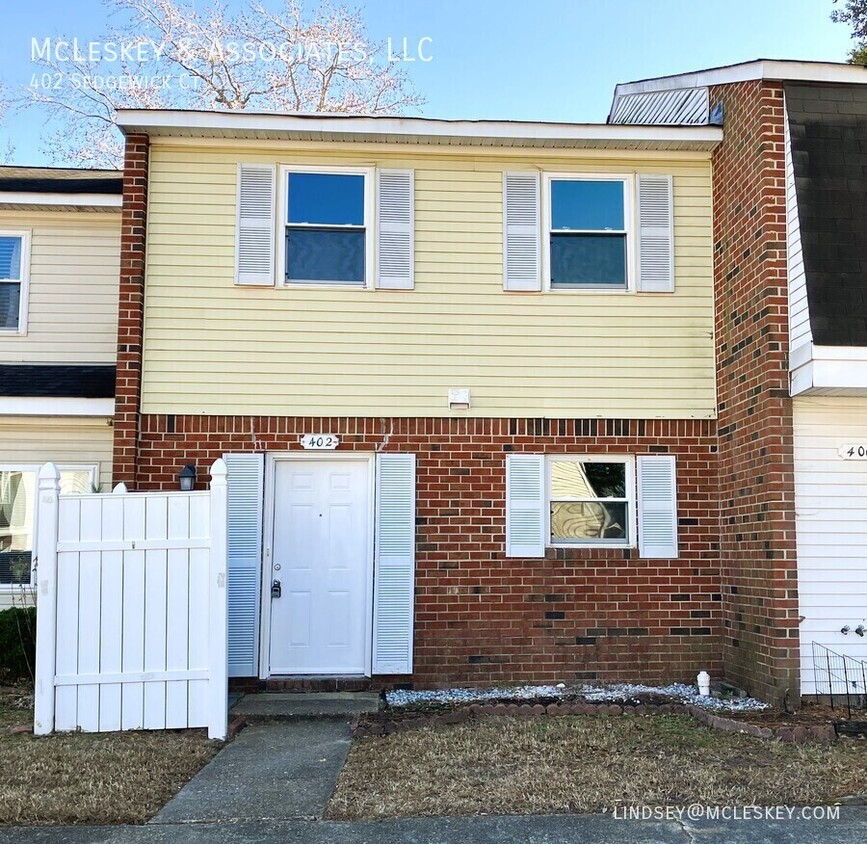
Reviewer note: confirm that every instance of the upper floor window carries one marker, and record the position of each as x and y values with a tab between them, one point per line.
326	228
13	276
588	233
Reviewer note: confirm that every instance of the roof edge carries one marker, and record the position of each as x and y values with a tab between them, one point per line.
782	70
142	120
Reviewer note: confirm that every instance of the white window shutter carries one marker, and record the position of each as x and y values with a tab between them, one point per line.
522	232
245	494
394	575
254	252
657	507
525	505
395	213
655	234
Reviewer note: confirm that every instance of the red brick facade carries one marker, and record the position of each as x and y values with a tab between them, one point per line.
757	519
482	617
130	308
728	604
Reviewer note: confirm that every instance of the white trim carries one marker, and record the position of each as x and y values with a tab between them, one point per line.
800	331
800	355
770	69
829	370
14	466
271	461
23	281
152	120
369	174
84	200
14	406
846	354
629	219
631	498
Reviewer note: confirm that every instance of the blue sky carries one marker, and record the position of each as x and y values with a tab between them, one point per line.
539	60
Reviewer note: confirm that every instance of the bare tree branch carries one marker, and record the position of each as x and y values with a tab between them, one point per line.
210	58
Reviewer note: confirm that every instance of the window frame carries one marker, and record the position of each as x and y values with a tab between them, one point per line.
631	499
369	219
92	468
23	281
629	220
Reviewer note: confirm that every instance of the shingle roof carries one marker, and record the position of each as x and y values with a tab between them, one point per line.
828	125
84	381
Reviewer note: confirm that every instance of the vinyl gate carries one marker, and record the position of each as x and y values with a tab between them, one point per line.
131	609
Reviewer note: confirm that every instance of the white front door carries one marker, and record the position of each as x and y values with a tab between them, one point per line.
321	567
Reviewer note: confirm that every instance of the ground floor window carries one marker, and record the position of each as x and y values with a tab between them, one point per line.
591	500
18	510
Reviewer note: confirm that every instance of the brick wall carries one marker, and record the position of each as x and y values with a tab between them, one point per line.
757	530
131	308
482	617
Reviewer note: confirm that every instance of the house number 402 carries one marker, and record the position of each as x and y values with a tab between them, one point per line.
320	441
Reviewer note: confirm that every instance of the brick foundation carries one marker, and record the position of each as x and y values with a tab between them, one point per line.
757	519
579	614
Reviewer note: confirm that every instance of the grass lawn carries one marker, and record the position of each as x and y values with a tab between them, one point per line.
88	777
585	764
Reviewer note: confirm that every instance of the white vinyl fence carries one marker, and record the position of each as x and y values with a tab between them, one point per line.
131	609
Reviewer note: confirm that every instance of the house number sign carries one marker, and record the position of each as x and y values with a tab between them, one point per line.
858	451
320	442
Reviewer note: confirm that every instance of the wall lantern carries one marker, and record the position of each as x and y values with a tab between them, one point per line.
187	478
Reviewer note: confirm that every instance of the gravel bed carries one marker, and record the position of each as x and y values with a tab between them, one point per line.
619	693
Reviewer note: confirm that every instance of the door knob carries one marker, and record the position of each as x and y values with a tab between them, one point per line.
276	589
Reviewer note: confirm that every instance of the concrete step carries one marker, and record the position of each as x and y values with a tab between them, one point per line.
304	706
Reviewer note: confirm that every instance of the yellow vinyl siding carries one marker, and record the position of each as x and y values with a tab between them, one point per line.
38	440
72	296
43	439
212	347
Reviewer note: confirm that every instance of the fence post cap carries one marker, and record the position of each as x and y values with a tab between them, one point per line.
120	489
49	472
219	470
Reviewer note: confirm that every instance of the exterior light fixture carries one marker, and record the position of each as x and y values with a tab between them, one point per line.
187	478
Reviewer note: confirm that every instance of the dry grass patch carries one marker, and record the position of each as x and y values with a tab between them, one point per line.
93	778
585	764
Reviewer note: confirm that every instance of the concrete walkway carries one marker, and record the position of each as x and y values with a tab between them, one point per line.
280	771
550	829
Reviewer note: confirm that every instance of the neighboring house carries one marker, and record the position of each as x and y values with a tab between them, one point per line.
463	377
59	269
790	233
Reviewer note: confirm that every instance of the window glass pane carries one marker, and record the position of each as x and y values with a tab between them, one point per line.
577	479
76	481
607	480
571	520
317	255
326	199
580	204
588	259
10	298
17	499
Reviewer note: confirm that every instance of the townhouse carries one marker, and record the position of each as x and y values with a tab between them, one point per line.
463	377
59	269
500	401
790	254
